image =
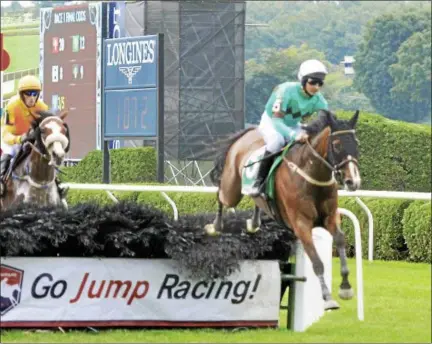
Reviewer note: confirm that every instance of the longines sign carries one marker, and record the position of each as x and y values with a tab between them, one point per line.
131	62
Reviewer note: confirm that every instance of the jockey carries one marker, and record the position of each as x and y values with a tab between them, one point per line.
287	105
16	122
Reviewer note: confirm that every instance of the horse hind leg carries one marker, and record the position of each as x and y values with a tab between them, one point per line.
215	227
253	224
304	232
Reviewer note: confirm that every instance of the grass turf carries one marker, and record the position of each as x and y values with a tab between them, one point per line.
23	52
397	309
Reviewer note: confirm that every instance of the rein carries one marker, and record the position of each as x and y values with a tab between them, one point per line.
335	169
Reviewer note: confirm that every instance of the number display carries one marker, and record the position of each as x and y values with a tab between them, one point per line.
130	113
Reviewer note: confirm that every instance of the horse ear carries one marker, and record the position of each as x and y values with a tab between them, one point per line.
354	119
330	119
63	114
36	115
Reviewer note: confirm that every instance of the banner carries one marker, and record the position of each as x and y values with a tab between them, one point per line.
73	292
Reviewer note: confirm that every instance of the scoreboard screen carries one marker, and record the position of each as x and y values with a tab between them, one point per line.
70	45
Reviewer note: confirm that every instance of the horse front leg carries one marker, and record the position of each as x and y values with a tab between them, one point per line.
215	227
333	226
253	224
303	230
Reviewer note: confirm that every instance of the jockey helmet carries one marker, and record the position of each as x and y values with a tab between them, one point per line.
29	83
312	69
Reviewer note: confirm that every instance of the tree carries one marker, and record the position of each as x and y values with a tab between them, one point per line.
331	27
377	52
271	67
412	73
258	90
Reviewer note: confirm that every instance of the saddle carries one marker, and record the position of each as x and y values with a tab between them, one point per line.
250	171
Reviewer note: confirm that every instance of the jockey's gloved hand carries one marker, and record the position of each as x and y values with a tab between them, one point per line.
29	136
302	137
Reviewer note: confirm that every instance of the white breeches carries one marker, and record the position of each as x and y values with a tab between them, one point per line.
10	149
273	139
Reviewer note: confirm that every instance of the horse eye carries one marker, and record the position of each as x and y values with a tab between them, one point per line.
336	146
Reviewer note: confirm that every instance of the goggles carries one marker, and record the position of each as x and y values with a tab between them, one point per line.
314	81
31	93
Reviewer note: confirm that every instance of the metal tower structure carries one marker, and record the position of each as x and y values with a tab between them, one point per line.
204	78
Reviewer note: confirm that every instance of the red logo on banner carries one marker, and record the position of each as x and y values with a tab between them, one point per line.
4	56
10	288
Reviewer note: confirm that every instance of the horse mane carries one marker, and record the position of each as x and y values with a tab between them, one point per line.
318	124
43	114
216	172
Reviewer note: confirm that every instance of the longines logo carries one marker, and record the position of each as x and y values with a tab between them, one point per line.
129	72
129	55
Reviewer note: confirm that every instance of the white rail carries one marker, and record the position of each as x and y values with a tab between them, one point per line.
426	196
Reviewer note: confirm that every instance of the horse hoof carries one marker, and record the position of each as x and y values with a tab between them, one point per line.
331	304
65	204
346	294
250	228
210	229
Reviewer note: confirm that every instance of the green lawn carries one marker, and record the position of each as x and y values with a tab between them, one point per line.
23	51
397	309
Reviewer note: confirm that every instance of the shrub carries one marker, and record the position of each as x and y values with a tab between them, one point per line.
417	231
128	165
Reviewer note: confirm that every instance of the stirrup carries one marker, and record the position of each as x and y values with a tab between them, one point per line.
257	190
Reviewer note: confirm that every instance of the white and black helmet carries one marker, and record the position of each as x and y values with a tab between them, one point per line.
312	69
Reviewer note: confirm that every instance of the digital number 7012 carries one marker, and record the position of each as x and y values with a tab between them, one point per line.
131	114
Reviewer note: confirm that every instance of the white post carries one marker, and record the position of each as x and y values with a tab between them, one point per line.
309	304
359	261
371	228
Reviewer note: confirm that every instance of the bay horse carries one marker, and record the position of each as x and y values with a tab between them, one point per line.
305	187
33	178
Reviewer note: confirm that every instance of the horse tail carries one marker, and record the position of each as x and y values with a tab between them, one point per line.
224	146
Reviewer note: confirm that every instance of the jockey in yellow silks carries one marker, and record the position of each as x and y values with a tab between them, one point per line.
16	121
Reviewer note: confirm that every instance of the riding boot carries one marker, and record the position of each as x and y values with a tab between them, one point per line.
4	165
262	174
62	190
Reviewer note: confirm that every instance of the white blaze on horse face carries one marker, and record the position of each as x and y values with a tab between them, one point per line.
355	174
55	142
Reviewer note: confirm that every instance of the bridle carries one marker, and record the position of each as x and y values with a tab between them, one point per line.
44	156
335	169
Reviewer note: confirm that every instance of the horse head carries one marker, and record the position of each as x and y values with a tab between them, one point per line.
341	149
51	136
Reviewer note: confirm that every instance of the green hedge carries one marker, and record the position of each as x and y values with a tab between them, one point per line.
389	241
394	155
128	165
186	203
417	231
